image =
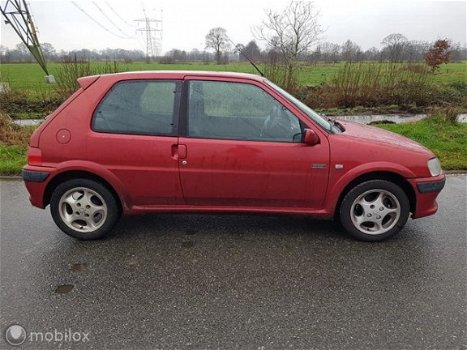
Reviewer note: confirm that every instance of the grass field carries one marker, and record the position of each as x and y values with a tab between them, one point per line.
29	76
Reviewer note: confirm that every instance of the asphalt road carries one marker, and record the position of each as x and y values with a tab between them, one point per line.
256	282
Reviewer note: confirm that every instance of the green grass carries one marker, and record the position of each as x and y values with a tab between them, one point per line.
446	139
12	159
29	76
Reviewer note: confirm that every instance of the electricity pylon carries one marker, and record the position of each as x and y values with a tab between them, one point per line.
152	41
16	13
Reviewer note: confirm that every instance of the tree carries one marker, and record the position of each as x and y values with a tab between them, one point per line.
251	50
438	54
291	33
217	40
329	52
458	53
372	54
415	50
48	50
351	52
394	46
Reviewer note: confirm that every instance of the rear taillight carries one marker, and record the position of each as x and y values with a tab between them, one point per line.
34	156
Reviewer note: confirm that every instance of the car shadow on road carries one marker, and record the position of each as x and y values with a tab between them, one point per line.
233	225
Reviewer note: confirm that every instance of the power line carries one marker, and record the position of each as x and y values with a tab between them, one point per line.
97	22
120	17
112	22
140	40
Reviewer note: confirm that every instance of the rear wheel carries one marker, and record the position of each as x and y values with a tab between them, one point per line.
84	209
374	210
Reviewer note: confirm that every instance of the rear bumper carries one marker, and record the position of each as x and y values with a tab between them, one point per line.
36	180
426	191
34	176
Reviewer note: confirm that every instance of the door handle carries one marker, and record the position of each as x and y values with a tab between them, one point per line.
179	152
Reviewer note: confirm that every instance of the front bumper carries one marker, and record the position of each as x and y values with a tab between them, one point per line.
426	191
431	186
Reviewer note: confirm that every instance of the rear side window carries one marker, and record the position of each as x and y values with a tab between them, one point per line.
137	107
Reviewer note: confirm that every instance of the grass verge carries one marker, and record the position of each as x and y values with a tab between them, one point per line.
12	159
447	139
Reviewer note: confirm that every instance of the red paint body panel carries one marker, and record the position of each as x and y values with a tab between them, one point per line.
179	173
254	174
143	163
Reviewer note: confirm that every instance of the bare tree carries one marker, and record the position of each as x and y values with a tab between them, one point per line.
251	50
217	40
48	50
351	52
291	32
395	45
329	52
372	54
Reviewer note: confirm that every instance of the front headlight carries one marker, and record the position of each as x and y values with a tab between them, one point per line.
434	166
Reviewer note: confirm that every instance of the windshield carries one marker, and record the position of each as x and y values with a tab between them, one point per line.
325	124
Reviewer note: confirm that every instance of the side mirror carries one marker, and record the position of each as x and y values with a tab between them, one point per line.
310	138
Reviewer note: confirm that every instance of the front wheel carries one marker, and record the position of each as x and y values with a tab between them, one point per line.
374	210
84	209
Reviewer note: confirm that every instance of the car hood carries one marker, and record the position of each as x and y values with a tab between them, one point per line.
373	134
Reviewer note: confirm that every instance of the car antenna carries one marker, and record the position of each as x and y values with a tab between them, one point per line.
238	48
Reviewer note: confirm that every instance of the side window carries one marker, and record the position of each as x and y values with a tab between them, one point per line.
237	111
137	107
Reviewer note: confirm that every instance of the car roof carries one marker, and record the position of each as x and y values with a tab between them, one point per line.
172	74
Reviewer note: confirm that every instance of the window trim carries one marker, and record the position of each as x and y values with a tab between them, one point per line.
184	117
175	114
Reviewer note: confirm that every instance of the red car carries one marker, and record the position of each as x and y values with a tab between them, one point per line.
157	142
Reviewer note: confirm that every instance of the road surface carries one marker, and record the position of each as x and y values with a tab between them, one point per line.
234	281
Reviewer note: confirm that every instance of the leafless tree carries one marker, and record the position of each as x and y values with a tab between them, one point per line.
291	32
217	40
251	50
330	52
395	45
351	52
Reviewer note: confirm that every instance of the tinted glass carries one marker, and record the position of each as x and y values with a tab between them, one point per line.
137	107
238	111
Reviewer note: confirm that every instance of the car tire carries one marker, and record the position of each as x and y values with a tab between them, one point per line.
84	209
374	210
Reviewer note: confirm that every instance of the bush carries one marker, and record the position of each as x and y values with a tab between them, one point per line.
21	104
12	134
445	114
375	84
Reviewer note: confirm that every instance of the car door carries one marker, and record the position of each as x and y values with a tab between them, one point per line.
134	129
244	149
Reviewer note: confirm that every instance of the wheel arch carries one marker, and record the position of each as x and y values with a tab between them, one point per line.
79	174
379	175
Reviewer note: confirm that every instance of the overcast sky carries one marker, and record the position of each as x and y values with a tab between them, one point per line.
185	23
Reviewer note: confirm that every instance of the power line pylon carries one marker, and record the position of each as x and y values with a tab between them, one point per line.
153	29
16	13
